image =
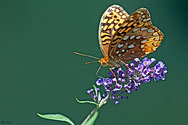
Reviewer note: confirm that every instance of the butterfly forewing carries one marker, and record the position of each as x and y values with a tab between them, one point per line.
135	38
110	22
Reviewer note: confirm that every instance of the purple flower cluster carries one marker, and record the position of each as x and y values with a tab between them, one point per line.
94	94
124	82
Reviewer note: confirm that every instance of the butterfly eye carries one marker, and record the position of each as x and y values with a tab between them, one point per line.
103	61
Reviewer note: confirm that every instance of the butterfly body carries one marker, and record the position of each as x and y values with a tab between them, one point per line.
109	62
123	37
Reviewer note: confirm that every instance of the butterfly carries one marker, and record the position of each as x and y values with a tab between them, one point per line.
124	37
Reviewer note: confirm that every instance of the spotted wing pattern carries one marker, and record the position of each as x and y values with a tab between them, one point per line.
111	20
135	38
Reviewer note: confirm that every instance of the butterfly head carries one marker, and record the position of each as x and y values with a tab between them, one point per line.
104	61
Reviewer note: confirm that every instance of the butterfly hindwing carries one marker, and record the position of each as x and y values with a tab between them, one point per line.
135	38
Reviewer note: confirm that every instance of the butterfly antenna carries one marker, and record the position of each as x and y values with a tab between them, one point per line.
85	55
91	62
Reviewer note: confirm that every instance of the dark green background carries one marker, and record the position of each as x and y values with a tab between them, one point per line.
39	73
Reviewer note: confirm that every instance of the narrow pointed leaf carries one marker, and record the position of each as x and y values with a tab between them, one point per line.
57	117
91	102
98	93
92	119
95	88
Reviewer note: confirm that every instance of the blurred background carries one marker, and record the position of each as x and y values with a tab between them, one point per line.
39	72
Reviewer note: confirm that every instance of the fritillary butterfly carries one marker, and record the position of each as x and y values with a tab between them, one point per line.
123	37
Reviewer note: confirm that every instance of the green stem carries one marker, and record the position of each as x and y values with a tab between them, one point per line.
102	102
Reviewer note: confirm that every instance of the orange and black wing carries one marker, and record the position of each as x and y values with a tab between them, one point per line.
110	22
135	38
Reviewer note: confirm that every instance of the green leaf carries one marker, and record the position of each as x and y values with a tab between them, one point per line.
92	119
95	88
98	93
57	117
91	102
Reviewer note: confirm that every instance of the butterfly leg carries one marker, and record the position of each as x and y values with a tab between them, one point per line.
99	76
98	72
126	65
113	74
